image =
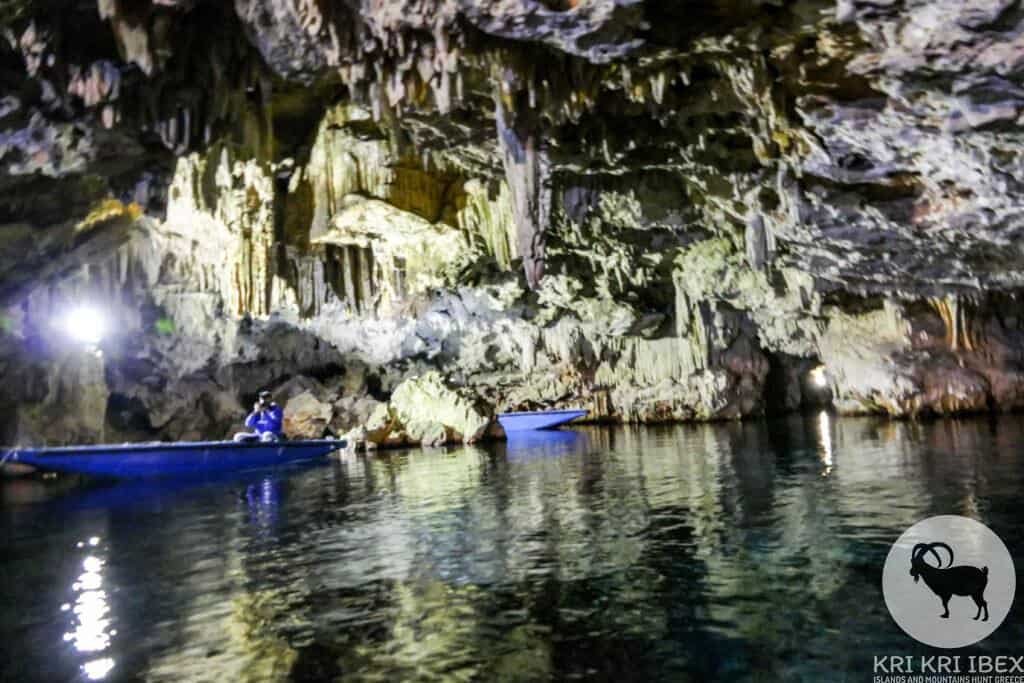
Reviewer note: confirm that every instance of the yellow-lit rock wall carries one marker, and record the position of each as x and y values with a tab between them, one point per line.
358	216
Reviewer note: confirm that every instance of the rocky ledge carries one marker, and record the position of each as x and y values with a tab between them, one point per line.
406	216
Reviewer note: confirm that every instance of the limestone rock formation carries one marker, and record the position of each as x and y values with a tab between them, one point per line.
651	209
425	411
305	417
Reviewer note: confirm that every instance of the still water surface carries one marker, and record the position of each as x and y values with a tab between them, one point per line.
739	552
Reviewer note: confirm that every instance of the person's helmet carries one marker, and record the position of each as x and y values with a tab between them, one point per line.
264	395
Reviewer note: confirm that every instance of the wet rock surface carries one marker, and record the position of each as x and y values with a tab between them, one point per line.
651	213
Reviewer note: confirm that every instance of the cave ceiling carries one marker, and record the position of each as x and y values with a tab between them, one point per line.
877	142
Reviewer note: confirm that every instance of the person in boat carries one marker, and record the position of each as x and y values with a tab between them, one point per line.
265	421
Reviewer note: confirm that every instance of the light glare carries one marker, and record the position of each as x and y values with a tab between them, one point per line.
98	669
85	324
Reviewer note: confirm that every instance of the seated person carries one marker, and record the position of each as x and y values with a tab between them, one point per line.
265	421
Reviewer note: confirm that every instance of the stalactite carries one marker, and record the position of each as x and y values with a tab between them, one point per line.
334	278
348	267
489	218
528	174
757	238
368	281
955	314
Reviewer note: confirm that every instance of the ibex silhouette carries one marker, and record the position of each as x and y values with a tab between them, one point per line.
948	581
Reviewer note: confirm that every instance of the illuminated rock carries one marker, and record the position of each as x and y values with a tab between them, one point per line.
653	210
305	417
424	411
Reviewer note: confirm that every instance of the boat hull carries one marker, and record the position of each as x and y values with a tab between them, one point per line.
171	459
529	422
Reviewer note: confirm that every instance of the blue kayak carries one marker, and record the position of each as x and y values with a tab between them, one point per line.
540	419
171	459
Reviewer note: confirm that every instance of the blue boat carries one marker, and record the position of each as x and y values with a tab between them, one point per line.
171	459
540	419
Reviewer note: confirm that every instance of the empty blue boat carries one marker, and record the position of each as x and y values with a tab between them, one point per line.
540	419
171	459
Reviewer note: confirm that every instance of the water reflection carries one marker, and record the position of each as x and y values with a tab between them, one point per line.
90	624
684	553
825	427
263	500
544	444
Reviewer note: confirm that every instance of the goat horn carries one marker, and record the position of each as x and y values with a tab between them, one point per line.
933	546
918	549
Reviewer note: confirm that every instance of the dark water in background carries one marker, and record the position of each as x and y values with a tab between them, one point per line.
727	552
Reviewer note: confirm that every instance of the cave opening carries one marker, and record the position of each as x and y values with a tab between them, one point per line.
796	385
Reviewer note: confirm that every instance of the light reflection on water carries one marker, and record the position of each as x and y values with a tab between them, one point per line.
90	622
723	552
825	436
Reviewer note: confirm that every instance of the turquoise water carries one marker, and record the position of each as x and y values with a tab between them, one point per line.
723	552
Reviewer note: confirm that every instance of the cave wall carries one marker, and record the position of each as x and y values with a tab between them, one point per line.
773	205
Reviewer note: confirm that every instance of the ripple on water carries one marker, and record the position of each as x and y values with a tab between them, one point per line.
740	551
